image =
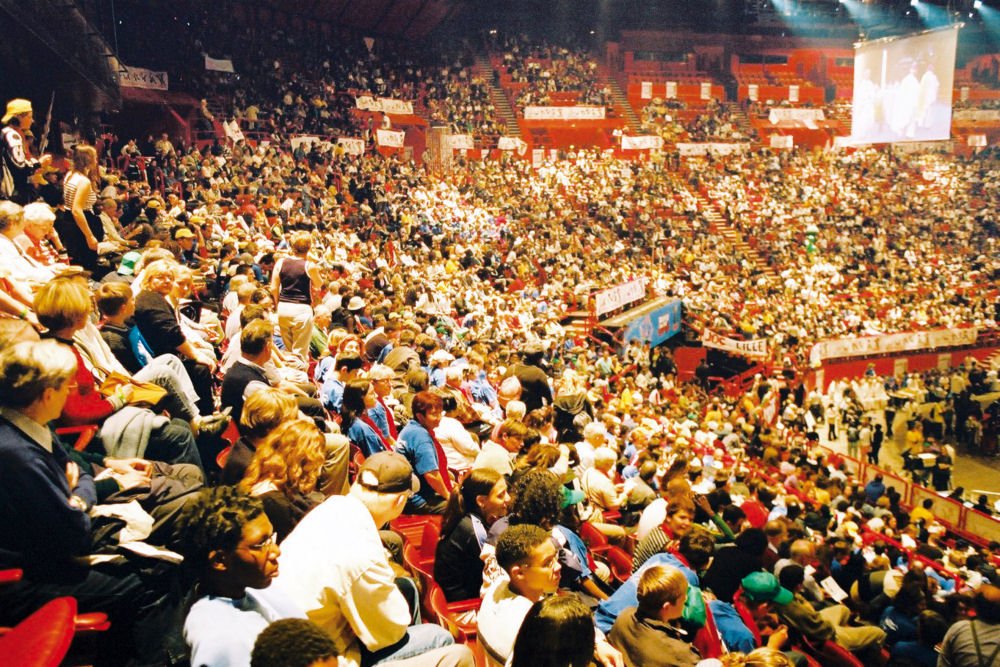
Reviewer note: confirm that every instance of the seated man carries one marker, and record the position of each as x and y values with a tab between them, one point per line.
334	567
529	556
646	635
294	642
229	548
420	447
45	499
499	455
829	623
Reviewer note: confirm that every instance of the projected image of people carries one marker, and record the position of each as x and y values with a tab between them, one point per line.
902	89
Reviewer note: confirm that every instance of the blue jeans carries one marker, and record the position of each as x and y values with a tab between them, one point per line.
419	639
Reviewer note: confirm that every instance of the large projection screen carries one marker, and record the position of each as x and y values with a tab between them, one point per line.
903	88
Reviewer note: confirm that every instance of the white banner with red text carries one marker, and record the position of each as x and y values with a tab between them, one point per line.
711	149
352	145
619	295
384	105
751	349
642	143
516	144
890	343
807	117
461	142
390	138
564	113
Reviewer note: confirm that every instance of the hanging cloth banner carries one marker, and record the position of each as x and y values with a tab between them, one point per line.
706	90
137	77
461	142
647	90
647	142
751	349
351	145
391	138
219	64
671	90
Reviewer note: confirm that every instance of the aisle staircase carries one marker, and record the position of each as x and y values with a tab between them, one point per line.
505	112
734	236
743	122
620	102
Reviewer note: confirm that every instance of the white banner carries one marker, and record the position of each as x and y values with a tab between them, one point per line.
753	91
793	93
671	90
352	145
461	142
619	295
975	115
706	90
977	140
807	117
219	64
233	131
384	105
137	77
391	138
647	90
512	144
751	349
963	93
537	157
304	140
711	148
564	113
887	343
645	142
784	142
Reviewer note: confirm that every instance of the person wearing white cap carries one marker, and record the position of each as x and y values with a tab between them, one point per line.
15	165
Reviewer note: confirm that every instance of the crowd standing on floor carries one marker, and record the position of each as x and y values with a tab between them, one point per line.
377	339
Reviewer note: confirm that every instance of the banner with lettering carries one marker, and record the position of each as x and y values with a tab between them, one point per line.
390	138
619	295
384	105
807	117
753	91
512	144
219	64
710	148
671	90
886	343
976	115
642	143
647	90
537	157
564	113
977	140
782	141
138	77
352	145
461	142
706	90
751	349
233	131
793	93
656	326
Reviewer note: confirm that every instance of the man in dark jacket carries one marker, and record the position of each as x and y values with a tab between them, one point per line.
535	390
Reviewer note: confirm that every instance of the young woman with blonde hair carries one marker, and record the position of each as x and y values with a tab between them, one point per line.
285	471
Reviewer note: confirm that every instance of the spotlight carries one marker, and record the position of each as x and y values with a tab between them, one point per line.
914	3
978	4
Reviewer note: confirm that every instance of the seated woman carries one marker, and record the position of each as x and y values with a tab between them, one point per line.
284	473
64	307
158	323
263	412
359	397
480	500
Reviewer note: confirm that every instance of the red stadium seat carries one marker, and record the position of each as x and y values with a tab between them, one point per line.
42	639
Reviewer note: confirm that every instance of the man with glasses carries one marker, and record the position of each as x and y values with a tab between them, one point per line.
229	548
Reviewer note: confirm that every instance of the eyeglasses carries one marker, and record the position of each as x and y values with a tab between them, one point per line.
265	544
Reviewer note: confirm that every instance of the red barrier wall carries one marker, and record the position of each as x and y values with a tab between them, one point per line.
852	368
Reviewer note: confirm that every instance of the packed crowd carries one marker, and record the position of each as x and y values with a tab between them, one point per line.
716	123
549	68
375	340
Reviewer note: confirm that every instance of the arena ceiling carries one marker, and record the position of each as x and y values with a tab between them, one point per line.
409	19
